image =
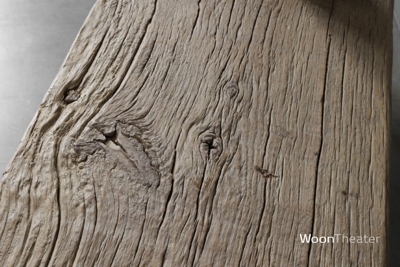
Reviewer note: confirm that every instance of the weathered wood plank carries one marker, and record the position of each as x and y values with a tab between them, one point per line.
208	133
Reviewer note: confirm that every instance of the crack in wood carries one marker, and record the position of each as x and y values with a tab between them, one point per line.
265	173
71	96
143	139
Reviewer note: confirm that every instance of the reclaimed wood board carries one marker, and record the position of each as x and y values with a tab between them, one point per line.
209	133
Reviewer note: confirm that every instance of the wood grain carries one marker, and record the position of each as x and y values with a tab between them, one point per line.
208	133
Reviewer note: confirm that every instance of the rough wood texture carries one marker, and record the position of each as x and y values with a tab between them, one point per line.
208	133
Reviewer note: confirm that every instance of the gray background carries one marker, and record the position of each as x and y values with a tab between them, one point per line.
35	36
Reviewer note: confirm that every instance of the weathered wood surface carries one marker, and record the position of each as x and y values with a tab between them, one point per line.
208	133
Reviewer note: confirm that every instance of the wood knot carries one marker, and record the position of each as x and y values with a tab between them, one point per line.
211	146
107	129
232	89
71	96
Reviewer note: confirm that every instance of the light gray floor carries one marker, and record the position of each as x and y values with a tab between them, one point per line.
34	39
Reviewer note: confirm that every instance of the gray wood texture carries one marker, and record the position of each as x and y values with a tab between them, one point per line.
208	133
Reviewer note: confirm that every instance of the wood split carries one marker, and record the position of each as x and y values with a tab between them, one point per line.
265	173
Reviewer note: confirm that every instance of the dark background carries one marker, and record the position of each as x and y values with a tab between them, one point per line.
35	36
394	230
